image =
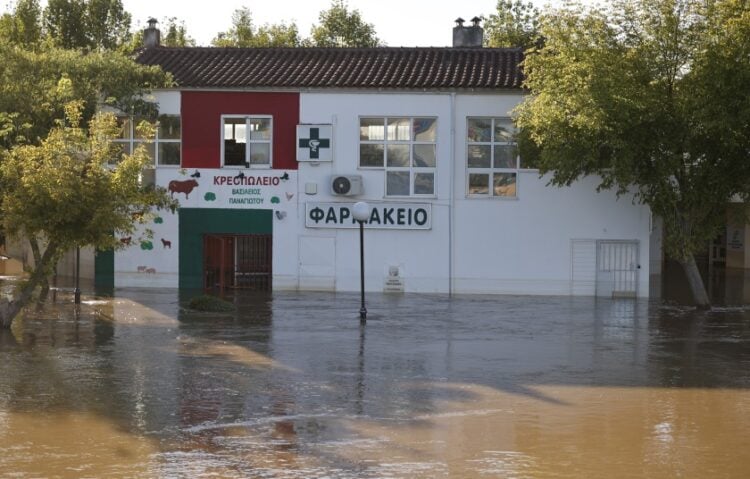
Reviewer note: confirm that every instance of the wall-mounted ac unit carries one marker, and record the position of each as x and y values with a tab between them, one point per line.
346	185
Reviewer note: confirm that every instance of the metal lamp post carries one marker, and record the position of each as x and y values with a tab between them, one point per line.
361	213
77	290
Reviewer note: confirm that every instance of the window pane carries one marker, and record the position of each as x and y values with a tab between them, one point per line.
424	156
505	156
424	183
479	156
398	129
371	155
479	184
260	153
398	155
504	184
479	129
425	129
260	129
234	153
397	183
124	123
371	129
169	127
169	153
234	129
504	130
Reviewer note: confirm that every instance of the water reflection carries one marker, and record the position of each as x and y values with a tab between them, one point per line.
290	385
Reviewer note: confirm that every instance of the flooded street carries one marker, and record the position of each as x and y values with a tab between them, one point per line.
290	386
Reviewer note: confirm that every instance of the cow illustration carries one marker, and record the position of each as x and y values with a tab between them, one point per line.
166	243
142	269
185	186
151	271
126	241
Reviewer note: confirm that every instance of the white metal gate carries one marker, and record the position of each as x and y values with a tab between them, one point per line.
617	268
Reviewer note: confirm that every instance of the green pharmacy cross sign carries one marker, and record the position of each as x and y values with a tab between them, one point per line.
314	142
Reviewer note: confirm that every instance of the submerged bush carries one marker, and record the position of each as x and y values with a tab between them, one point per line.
212	304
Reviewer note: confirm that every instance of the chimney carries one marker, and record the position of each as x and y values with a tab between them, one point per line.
468	37
151	35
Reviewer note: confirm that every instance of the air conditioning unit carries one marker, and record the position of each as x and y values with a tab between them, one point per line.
346	185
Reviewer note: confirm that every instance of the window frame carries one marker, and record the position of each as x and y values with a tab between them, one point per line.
411	143
133	141
248	141
492	169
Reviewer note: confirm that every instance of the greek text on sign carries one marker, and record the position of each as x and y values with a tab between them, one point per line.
314	142
397	216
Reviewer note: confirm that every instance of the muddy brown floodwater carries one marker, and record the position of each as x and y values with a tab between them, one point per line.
290	386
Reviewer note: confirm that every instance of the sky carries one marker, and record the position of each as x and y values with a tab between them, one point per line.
397	22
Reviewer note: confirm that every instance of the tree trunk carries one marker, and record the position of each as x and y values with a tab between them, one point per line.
700	296
10	309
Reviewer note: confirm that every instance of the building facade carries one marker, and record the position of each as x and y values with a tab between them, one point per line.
268	149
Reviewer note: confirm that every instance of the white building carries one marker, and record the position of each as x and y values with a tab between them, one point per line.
252	140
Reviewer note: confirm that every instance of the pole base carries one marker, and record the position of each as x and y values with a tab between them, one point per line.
363	314
77	296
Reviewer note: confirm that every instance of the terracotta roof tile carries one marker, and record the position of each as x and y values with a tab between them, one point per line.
361	68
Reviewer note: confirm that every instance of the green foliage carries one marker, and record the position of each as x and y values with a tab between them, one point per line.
245	34
653	97
147	245
29	109
514	24
210	304
87	24
340	27
62	191
24	25
176	34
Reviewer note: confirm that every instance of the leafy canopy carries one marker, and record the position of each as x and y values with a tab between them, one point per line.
340	27
87	24
64	188
652	96
29	108
244	33
514	24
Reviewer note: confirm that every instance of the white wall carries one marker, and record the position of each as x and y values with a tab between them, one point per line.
422	256
523	245
496	245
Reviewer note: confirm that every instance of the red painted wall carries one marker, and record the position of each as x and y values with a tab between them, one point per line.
201	124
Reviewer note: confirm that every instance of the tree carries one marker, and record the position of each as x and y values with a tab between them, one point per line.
63	194
341	28
107	24
515	24
177	35
651	96
87	24
244	33
24	25
29	109
65	23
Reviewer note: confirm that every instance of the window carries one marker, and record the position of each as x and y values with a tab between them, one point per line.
491	157
247	141
164	150
405	148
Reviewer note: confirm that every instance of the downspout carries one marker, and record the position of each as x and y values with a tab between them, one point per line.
451	200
